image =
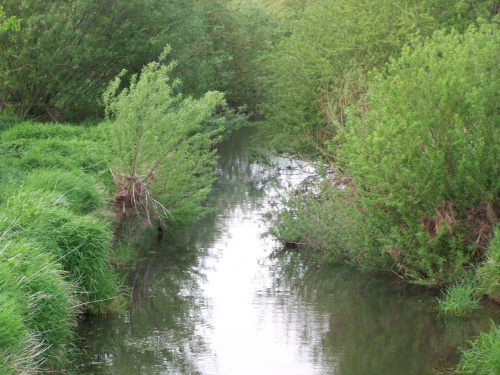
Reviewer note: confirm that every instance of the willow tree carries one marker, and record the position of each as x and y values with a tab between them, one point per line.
162	156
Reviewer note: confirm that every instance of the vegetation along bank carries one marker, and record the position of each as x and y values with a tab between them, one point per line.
401	98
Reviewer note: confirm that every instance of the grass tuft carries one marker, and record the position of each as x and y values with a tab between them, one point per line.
458	300
84	245
76	188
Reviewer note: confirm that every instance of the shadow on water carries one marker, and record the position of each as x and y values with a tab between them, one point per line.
217	299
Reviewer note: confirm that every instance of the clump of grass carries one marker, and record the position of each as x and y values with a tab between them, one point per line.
483	358
13	331
80	243
77	188
84	244
48	297
458	299
54	250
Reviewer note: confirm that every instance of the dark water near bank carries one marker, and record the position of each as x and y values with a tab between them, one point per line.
219	300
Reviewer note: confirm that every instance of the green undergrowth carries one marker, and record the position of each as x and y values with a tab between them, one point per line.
55	241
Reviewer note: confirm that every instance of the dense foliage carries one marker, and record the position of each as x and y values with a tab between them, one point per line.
55	242
425	157
321	68
401	97
406	108
59	62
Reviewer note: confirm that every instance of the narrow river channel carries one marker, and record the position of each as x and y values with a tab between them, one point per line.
219	299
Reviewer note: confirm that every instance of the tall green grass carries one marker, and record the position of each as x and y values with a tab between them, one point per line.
458	299
81	243
54	242
78	189
84	245
45	299
483	358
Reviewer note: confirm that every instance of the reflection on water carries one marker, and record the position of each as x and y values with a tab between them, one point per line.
218	300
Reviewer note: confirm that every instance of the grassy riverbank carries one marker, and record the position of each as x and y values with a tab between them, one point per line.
55	240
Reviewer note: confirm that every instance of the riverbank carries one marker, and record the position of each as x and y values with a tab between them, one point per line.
56	231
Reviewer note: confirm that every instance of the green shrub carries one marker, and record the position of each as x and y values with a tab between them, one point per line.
163	163
329	223
459	14
483	358
321	66
458	299
58	64
424	158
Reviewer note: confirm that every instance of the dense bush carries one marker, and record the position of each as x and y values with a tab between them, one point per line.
329	223
425	157
59	62
317	71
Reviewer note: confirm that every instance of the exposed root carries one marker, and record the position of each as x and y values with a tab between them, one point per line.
133	194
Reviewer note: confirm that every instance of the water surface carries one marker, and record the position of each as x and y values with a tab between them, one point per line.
219	299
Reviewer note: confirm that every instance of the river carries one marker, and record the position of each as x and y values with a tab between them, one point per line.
221	299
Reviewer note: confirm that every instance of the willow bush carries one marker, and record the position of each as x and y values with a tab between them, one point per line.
163	164
425	157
